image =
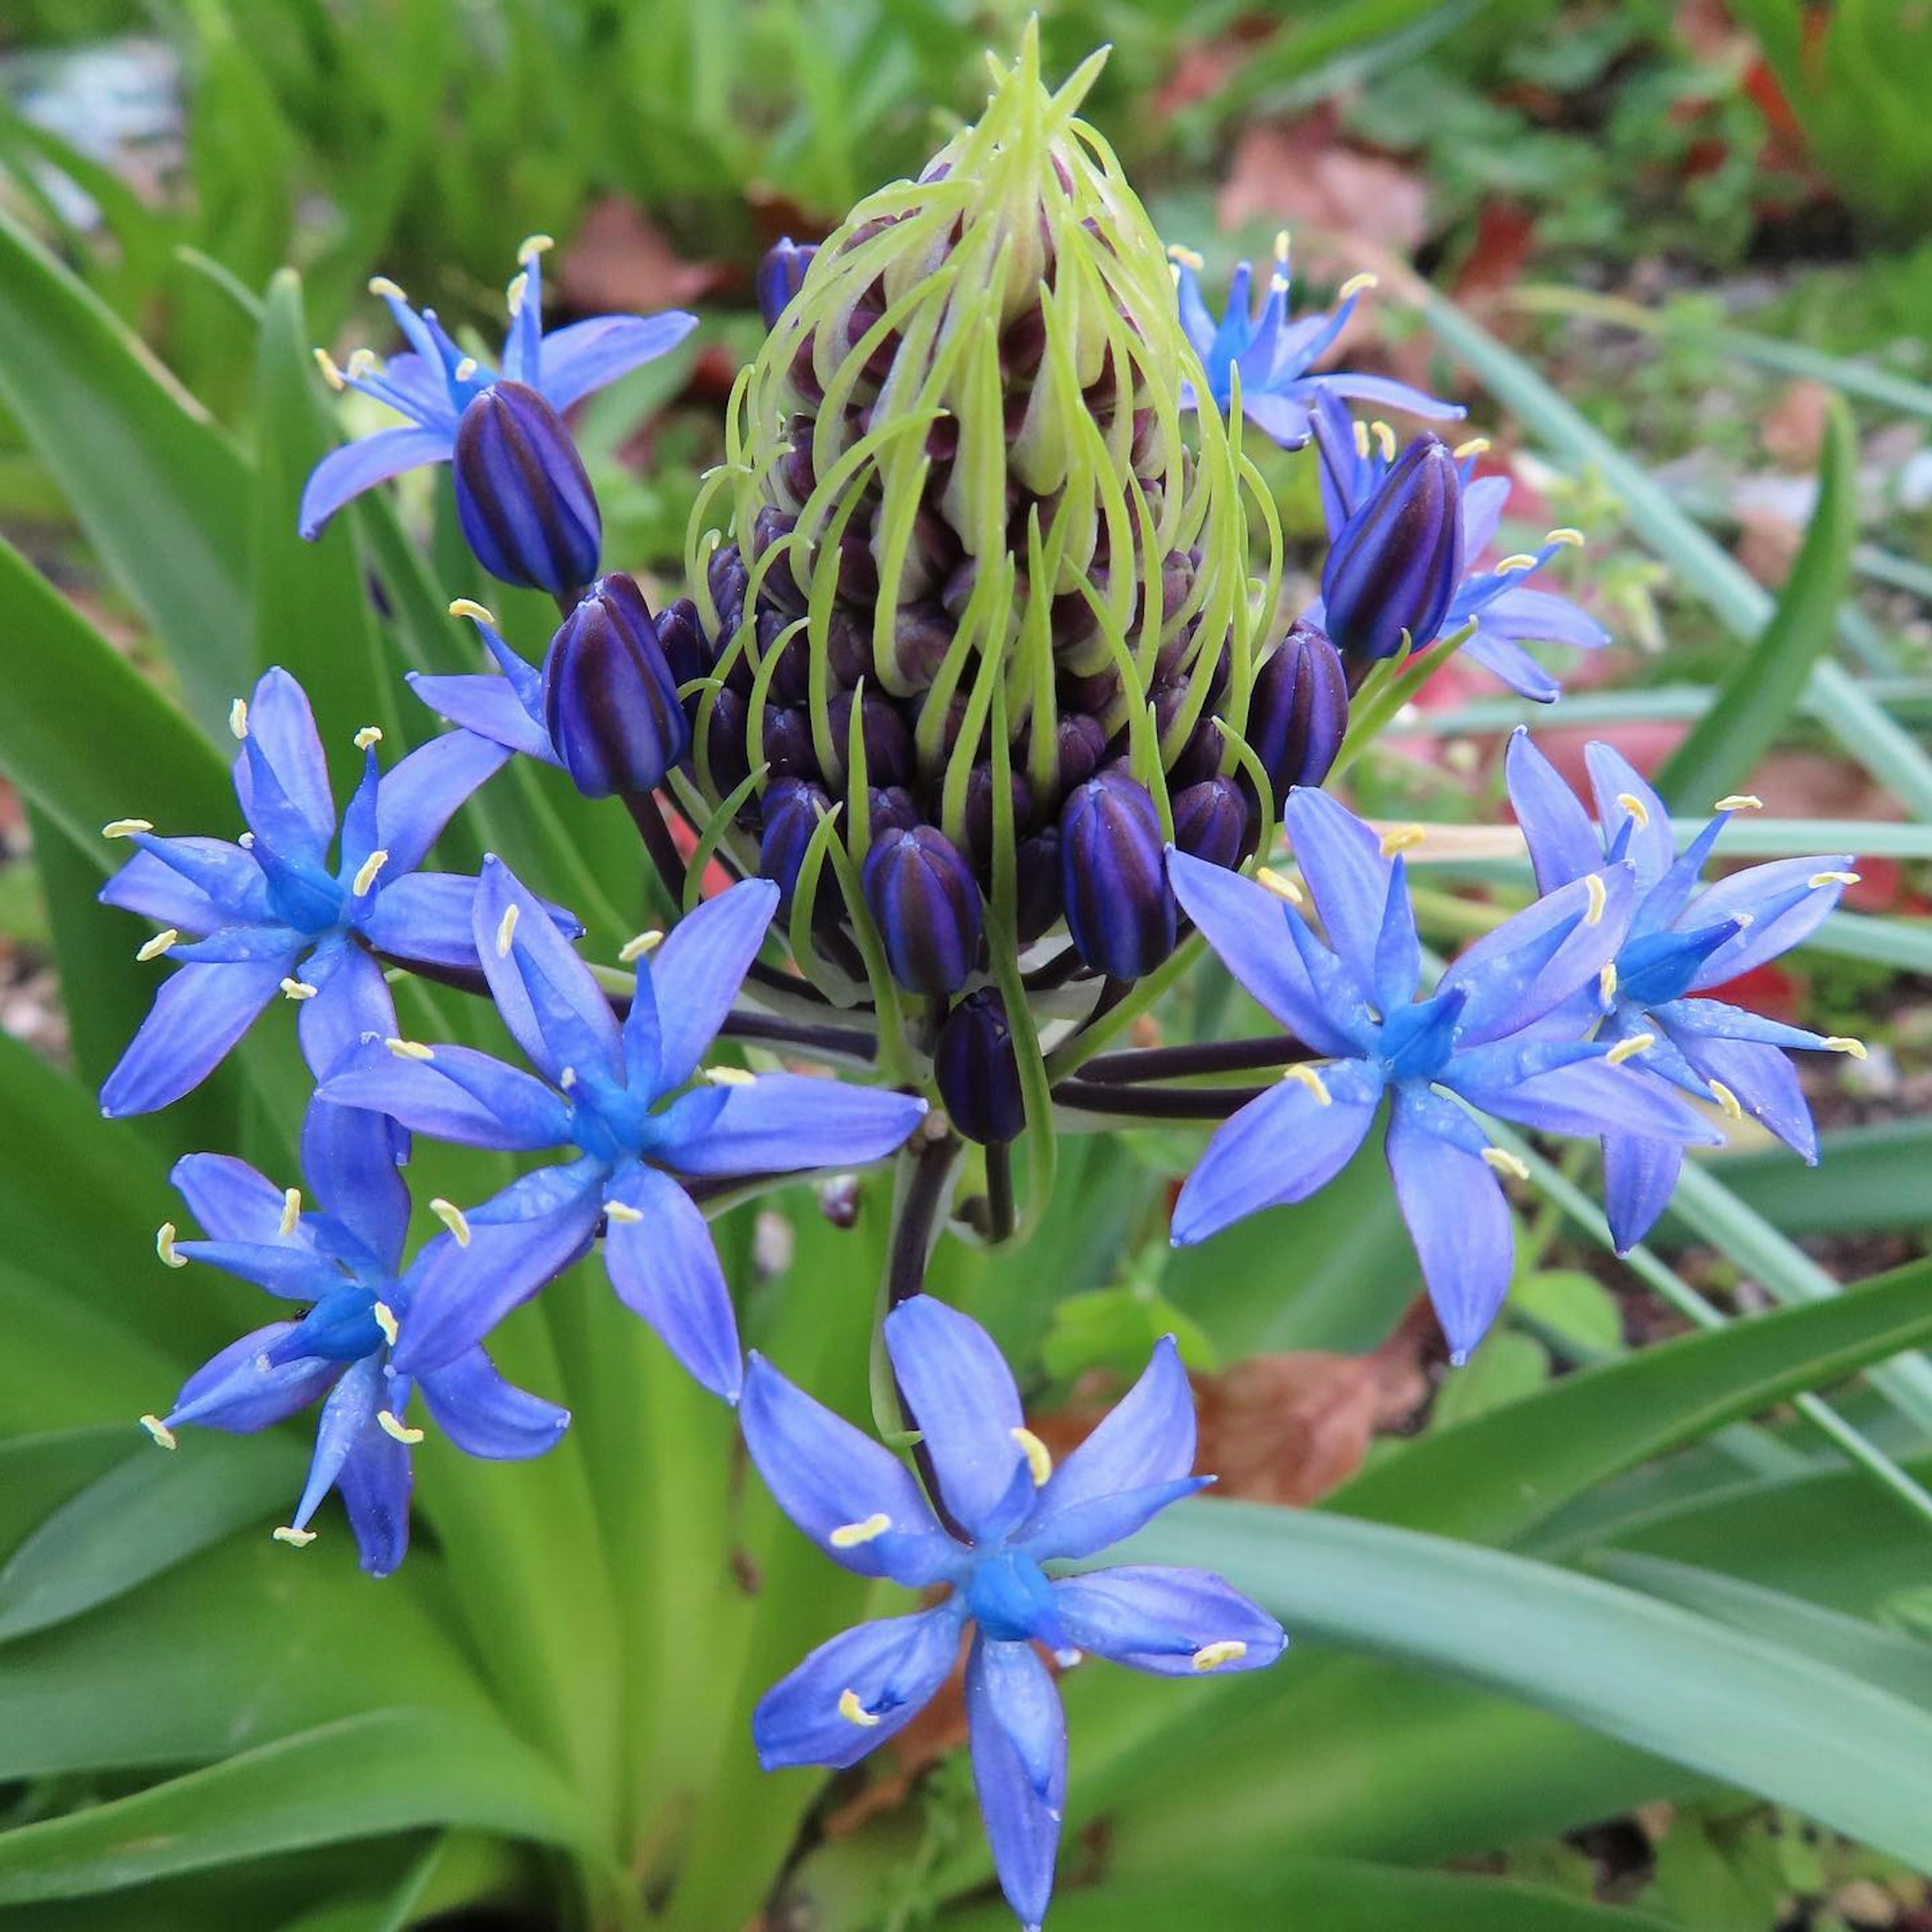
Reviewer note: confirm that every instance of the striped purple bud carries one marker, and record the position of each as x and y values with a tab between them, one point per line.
1113	876
1396	562
1298	711
523	495
792	809
781	274
1210	821
977	1072
611	702
924	900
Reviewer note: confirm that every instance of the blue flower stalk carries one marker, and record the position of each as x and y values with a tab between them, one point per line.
1482	1042
1685	938
621	1099
343	1258
272	912
1019	1514
1273	354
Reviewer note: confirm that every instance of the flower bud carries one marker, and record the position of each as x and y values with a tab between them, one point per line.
979	813
787	742
977	1072
891	808
925	903
792	808
611	702
1298	711
890	757
1113	876
682	637
780	275
1396	562
1210	821
724	742
1037	883
523	497
726	576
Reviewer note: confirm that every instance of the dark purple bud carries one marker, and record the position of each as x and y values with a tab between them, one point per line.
1210	820
611	702
523	495
848	646
791	812
890	757
921	635
1298	711
1113	876
791	681
681	637
724	742
979	813
924	899
1081	743
725	574
1199	756
781	582
780	274
788	748
977	1071
1036	882
893	809
1396	563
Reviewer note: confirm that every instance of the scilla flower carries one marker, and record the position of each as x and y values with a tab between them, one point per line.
273	913
344	1259
435	383
1015	1513
1684	939
1474	1040
620	1098
1273	354
1357	459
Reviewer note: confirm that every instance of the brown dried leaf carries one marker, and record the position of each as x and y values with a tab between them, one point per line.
1302	175
619	263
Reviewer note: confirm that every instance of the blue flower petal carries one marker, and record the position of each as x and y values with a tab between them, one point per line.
1780	922
150	886
1022	1825
1588	1098
483	1415
485	704
1763	1083
1523	616
1342	860
1507	660
295	1273
784	1123
352	1009
348	1414
425	915
353	1171
696	973
644	1039
1639	1175
585	355
418	795
665	1268
345	473
1563	842
1625	798
1020	1693
374	1481
1159	1620
1084	1528
197	1016
552	1005
240	1391
891	1667
459	1095
282	724
231	1201
1705	1019
1282	419
1385	392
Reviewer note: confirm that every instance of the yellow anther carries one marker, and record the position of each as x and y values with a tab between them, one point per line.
1359	284
514	295
1739	801
468	607
1186	258
854	1712
1040	1458
1279	883
1504	1162
1742	919
453	1218
622	1213
506	929
1628	1049
1278	284
397	1430
1598	896
385	1320
1281	246
238	717
363	362
567	1079
850	1535
1727	1100
1477	445
729	1076
164	1246
296	1539
1312	1080
1401	839
291	1210
1361	437
1521	560
1385	436
635	949
409	1049
153	948
381	285
246	840
365	876
1833	879
159	1430
1840	1043
1640	812
331	374
299	989
465	369
1212	1656
126	828
1607	980
532	246
370	734
1565	534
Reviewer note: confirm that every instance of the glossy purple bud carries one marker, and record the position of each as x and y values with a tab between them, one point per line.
1113	876
791	808
724	742
780	583
523	495
890	759
780	275
788	743
1395	562
977	1071
1210	820
1036	882
725	574
1298	711
892	808
978	810
926	902
681	637
611	702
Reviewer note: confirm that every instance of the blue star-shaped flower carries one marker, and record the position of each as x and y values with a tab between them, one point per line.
435	382
1682	941
608	1092
1357	457
270	913
1475	1039
1274	354
861	1505
345	1259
